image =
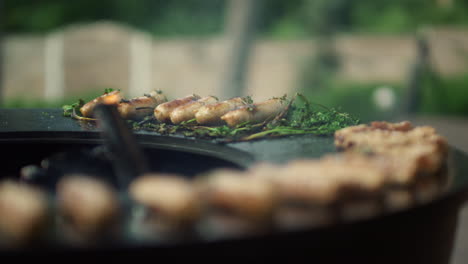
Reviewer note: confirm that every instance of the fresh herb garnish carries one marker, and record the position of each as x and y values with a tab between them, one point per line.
68	109
247	100
108	90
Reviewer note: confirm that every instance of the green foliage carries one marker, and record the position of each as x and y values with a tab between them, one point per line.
445	96
355	98
384	16
287	28
279	19
165	18
399	16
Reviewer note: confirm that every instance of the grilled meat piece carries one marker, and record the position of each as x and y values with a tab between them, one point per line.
187	112
235	204
170	198
211	114
140	107
309	189
404	150
23	213
380	136
113	97
255	113
88	205
163	111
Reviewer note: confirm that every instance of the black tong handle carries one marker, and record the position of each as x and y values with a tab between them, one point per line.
128	159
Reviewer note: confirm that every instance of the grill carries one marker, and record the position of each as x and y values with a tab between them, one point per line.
420	234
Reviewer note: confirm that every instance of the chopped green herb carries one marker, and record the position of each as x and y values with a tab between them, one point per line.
108	90
68	109
247	100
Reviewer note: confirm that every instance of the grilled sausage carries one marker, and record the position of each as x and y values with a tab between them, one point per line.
87	205
211	114
163	111
231	190
256	113
113	97
138	108
170	199
187	112
235	204
23	211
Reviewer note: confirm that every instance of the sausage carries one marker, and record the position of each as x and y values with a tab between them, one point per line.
88	205
113	97
230	190
187	112
235	204
256	113
168	197
211	114
138	108
23	211
163	111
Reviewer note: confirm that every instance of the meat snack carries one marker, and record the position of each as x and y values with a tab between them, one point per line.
87	206
163	111
393	195
380	136
255	113
187	112
140	107
318	192
114	97
229	120
170	202
234	204
24	213
413	158
211	114
420	147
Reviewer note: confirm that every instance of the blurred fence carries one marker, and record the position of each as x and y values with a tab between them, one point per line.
81	58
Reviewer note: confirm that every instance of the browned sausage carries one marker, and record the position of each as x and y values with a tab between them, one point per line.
113	97
23	211
88	204
211	114
231	190
235	204
168	197
163	111
188	111
256	113
138	108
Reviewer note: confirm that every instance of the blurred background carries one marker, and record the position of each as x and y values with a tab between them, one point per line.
375	59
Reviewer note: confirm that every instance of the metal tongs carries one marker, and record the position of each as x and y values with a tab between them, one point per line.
128	159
